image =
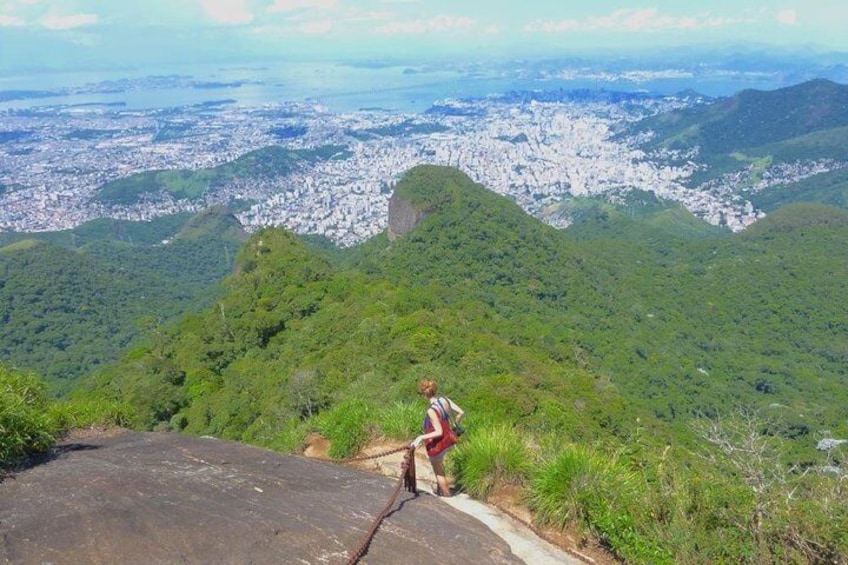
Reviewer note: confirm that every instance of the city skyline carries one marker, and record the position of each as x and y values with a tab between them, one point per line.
79	34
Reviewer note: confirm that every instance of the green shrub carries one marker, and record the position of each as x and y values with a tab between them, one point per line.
563	487
92	413
488	456
582	486
291	439
401	420
346	427
25	426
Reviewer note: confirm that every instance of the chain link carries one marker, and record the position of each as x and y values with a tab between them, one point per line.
407	479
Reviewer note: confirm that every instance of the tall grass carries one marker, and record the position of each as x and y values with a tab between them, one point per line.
582	486
489	456
401	420
346	426
72	414
25	426
291	438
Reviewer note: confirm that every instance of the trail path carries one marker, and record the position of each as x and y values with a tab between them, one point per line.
522	540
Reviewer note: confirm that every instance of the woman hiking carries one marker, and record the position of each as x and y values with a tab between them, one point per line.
439	436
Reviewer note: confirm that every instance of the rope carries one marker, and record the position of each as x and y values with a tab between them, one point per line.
406	480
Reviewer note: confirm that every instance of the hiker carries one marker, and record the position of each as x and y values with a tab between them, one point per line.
439	436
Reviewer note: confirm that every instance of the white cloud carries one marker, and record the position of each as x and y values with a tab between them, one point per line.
10	21
648	19
291	5
788	17
294	28
13	5
230	12
55	21
540	26
626	19
635	20
267	30
317	27
11	12
369	16
438	24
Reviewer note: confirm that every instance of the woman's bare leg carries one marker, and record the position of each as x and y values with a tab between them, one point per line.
441	478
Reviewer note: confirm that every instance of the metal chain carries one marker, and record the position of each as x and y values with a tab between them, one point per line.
376	455
407	479
363	458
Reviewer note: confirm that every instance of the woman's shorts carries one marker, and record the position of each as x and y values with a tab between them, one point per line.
441	456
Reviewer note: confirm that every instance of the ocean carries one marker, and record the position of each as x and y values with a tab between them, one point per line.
338	87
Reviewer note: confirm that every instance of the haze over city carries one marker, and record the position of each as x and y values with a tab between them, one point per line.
91	34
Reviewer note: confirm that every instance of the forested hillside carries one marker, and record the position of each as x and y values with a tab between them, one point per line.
271	161
71	301
754	118
659	385
684	325
631	352
771	148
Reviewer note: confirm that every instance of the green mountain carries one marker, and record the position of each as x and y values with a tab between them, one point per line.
659	388
754	118
70	301
830	188
491	300
640	215
264	163
769	147
135	233
660	311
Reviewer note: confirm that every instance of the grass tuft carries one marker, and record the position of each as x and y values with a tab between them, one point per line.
401	420
346	427
25	425
488	456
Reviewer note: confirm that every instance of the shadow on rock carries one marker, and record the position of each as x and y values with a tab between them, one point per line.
36	459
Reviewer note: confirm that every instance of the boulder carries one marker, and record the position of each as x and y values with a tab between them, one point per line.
152	498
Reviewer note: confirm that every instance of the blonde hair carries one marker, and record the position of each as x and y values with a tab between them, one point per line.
428	388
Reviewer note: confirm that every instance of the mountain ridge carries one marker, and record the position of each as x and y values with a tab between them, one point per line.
608	360
477	255
752	118
71	301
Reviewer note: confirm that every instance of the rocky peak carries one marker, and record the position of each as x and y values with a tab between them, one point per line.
403	216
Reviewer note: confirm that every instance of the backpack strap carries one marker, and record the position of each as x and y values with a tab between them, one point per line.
444	412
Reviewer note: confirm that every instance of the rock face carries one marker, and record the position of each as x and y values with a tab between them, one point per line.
829	443
151	498
403	217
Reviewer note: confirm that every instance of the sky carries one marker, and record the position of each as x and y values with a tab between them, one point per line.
79	34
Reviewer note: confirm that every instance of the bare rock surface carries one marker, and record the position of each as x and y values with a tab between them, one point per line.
152	498
403	217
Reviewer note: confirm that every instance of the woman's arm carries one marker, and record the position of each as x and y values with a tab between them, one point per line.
459	412
436	422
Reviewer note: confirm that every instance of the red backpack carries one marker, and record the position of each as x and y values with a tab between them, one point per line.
437	445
